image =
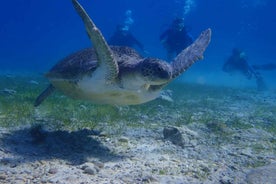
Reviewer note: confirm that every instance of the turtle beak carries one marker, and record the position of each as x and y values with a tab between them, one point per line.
162	75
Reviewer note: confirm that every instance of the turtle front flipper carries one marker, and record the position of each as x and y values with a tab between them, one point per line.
103	51
191	54
49	90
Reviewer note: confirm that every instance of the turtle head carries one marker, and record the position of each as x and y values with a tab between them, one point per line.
155	71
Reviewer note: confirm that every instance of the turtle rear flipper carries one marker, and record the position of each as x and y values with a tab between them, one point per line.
191	54
49	90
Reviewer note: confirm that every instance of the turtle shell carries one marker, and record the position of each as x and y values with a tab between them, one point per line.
84	62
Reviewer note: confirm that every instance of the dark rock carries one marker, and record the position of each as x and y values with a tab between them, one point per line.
53	170
3	177
98	164
173	134
90	170
123	139
265	174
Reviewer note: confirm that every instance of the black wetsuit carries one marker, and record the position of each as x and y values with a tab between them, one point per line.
175	41
124	38
237	63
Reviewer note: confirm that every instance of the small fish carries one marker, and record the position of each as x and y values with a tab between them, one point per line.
9	75
33	82
8	91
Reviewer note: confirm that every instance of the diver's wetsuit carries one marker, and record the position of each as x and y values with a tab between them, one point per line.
237	63
176	38
124	38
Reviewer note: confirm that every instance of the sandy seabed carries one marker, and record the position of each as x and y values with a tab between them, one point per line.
205	135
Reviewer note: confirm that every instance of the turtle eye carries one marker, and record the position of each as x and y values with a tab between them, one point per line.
159	69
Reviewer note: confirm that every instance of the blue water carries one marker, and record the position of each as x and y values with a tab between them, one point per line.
34	35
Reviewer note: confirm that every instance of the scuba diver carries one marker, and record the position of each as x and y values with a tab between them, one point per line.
122	35
237	62
175	38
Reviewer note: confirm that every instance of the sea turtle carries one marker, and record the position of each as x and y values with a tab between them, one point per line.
116	75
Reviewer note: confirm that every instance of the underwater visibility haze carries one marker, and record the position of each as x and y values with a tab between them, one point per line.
212	123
